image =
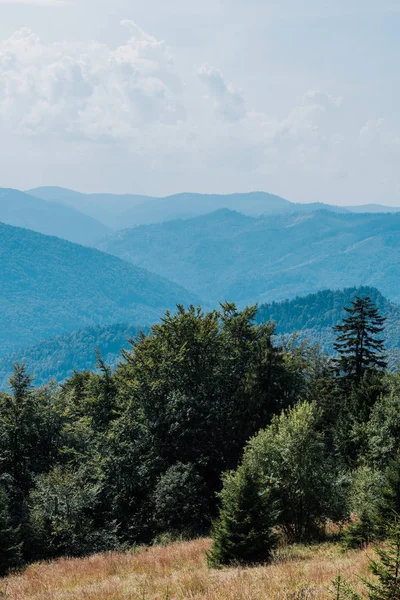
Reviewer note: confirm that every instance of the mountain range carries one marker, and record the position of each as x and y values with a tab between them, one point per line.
227	255
122	211
50	286
49	218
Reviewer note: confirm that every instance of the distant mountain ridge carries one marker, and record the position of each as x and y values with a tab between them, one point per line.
120	211
50	218
229	255
109	209
51	286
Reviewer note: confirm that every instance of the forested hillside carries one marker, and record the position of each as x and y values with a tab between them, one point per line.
49	218
314	316
229	255
58	357
50	286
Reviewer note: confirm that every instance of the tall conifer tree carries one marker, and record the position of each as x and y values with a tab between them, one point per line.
359	344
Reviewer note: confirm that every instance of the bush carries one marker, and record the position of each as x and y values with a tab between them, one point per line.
290	455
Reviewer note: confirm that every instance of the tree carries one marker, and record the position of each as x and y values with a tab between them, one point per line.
358	343
10	545
193	391
387	568
243	533
179	499
290	455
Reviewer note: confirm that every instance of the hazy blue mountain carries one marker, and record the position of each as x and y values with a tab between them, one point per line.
373	208
186	206
58	357
110	209
50	286
121	211
50	218
226	255
128	210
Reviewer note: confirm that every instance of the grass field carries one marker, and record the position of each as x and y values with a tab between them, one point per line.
179	572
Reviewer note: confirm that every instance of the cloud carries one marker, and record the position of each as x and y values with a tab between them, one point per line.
87	90
228	102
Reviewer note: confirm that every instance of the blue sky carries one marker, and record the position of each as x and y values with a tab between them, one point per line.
147	96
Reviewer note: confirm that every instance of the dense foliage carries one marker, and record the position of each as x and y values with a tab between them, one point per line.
206	423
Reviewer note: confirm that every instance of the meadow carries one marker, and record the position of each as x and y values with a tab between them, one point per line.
179	572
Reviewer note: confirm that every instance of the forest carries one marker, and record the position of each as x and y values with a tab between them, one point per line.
209	424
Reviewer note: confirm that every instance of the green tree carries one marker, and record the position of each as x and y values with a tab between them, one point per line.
358	344
10	544
291	456
387	568
243	533
179	499
193	391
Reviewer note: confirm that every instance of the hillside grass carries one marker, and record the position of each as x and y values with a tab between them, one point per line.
179	572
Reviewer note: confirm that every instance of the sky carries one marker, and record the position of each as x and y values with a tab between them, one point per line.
152	97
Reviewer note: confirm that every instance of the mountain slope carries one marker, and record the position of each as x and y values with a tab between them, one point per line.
49	218
228	255
58	357
312	318
50	286
121	211
314	315
110	209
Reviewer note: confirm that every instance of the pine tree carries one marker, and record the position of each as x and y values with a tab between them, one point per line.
342	591
243	533
358	343
387	568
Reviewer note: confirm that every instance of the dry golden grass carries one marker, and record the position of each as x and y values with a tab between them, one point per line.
179	572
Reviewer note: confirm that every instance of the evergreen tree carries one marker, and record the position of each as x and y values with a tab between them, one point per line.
358	343
10	546
387	568
243	533
342	591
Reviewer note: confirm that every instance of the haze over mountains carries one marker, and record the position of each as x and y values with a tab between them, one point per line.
122	211
50	286
49	218
227	255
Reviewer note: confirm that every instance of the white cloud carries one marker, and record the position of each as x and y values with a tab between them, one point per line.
132	106
228	102
87	90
